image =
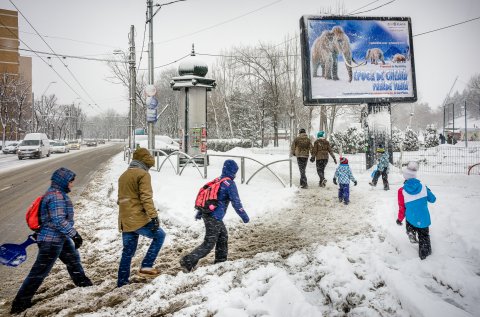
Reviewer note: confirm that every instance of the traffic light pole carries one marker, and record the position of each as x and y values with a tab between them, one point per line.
132	89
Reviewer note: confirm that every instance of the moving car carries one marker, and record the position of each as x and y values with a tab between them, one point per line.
91	142
11	148
74	144
34	145
60	146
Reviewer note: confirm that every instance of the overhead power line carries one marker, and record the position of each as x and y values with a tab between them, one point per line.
373	8
448	26
69	39
66	66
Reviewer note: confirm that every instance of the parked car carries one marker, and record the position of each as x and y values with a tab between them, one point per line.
74	145
91	142
60	146
34	145
11	148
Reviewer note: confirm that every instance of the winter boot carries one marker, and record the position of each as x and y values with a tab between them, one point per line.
324	182
340	199
372	184
386	187
412	237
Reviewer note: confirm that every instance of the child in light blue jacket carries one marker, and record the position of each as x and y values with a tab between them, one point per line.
344	175
413	199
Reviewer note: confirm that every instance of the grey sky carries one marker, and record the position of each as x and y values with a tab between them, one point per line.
93	27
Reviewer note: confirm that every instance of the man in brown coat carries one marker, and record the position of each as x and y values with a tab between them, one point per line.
138	216
321	149
301	147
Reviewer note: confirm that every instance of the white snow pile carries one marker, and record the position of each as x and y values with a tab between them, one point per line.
302	254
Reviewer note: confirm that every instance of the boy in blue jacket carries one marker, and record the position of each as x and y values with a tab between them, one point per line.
383	167
215	231
413	199
344	175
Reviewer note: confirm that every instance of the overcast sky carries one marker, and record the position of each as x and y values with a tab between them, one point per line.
95	28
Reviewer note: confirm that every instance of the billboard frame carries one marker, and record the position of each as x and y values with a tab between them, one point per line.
308	100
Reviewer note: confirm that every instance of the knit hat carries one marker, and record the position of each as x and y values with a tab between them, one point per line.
301	131
343	160
320	134
410	171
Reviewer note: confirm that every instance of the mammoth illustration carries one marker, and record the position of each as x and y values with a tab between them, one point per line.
325	51
375	55
399	58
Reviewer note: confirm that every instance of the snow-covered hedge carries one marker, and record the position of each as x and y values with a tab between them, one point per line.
351	141
224	145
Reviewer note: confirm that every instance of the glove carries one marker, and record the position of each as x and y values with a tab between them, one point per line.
155	224
244	217
77	240
354	183
335	160
312	159
399	222
335	181
198	216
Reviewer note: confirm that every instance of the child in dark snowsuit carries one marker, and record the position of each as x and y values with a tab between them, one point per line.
215	231
344	175
413	199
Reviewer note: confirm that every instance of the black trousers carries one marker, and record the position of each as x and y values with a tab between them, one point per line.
321	164
216	235
302	165
384	178
424	246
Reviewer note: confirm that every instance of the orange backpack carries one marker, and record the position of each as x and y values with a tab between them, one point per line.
33	214
206	200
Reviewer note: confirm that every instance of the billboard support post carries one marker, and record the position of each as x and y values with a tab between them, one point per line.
378	123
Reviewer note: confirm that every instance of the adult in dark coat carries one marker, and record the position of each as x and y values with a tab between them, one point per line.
300	148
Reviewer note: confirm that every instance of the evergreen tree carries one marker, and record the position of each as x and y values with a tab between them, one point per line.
397	139
431	137
410	143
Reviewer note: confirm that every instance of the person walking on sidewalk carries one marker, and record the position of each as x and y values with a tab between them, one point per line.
320	151
301	148
137	216
383	167
413	199
344	176
216	234
56	239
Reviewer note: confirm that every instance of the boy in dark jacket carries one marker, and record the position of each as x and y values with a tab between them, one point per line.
215	231
344	175
413	199
57	238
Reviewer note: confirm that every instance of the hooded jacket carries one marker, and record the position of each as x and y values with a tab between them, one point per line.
344	174
228	192
321	149
135	194
301	146
413	199
56	209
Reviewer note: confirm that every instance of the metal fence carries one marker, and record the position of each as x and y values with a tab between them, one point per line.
441	159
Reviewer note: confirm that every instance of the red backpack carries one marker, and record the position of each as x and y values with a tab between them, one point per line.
207	195
33	214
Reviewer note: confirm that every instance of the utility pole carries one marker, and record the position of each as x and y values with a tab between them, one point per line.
466	136
444	101
151	135
132	90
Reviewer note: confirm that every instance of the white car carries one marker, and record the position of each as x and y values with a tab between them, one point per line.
60	146
11	148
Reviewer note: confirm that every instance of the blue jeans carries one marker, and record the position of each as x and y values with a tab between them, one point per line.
48	253
130	242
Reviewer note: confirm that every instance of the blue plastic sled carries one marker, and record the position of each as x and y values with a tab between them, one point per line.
374	171
15	254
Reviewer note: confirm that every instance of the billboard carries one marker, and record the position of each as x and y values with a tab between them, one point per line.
353	60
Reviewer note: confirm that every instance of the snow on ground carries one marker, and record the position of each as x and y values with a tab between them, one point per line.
302	254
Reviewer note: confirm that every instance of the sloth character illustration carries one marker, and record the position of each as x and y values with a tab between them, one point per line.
375	55
325	51
399	58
